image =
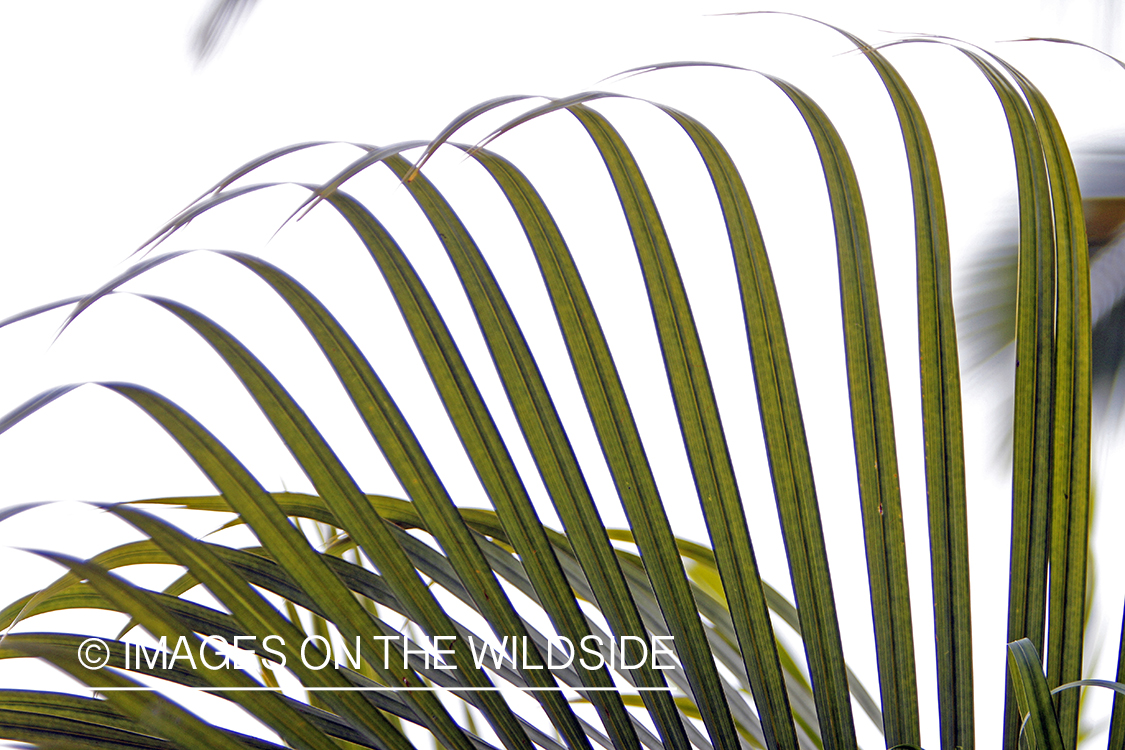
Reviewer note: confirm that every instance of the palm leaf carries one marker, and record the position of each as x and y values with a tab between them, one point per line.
421	567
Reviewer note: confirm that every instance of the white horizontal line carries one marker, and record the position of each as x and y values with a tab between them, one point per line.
380	689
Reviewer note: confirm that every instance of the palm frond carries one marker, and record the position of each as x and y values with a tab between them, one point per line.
378	584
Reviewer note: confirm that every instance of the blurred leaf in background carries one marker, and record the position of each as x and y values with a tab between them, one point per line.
217	26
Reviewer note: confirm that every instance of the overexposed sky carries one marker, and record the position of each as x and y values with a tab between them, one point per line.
110	129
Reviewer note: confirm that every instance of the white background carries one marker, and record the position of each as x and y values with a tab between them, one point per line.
109	129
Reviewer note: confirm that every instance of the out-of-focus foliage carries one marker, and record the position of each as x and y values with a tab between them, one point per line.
217	25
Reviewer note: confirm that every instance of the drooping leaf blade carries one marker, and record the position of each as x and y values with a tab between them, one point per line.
1033	697
471	418
349	504
703	436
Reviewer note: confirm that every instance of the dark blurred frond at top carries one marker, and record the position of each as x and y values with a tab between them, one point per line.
216	26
